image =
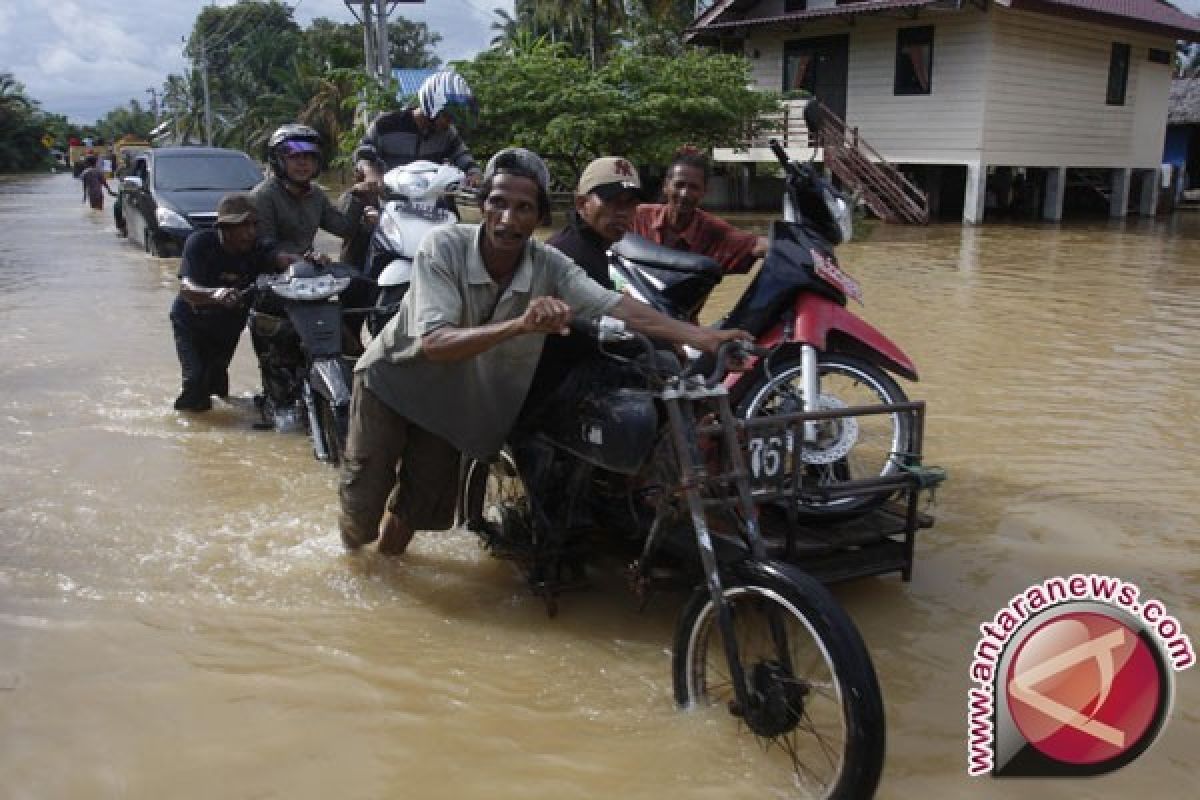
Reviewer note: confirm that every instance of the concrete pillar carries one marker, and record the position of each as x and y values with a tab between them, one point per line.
973	199
1056	188
1148	194
1118	200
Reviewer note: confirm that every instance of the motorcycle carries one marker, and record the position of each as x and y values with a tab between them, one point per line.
659	456
416	203
823	357
296	324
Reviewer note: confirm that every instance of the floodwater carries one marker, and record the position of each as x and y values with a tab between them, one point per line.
177	618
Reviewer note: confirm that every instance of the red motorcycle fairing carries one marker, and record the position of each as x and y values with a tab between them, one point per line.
828	326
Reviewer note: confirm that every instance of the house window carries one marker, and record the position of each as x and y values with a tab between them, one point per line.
1118	74
798	71
794	5
914	60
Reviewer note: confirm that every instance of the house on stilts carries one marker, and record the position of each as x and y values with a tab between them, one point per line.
966	108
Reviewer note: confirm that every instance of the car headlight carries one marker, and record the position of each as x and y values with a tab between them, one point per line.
170	219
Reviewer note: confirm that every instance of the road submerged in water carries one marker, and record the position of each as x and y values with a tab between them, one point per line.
177	618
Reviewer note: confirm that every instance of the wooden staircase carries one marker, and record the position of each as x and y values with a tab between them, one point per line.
889	195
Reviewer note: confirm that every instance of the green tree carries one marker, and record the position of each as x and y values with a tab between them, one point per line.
131	119
544	97
21	127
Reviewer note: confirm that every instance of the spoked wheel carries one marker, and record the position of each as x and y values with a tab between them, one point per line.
815	705
847	448
495	506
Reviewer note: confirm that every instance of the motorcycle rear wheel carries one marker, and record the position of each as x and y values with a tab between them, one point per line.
879	442
816	709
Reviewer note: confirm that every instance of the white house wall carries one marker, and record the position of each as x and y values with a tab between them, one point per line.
1008	87
1046	95
941	127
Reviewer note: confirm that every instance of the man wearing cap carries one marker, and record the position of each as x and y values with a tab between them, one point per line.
606	199
450	371
207	316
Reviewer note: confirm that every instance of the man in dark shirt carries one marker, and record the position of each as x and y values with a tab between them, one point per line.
207	316
425	131
606	198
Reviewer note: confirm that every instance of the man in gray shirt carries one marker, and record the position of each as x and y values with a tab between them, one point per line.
450	371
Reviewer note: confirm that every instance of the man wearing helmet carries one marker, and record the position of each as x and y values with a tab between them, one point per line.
425	131
291	208
451	370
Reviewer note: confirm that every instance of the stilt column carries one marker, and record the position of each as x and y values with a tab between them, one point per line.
1118	200
1056	187
974	200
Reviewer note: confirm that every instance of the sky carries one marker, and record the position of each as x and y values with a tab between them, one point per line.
85	59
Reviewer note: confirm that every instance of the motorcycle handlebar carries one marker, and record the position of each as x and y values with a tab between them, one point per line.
733	351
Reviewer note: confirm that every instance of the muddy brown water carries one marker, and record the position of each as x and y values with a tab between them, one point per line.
177	618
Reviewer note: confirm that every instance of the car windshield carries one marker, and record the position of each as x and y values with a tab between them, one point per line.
199	172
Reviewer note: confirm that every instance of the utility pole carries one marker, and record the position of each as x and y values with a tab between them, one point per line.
153	104
373	14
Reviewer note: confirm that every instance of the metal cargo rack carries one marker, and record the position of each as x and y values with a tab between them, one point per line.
880	541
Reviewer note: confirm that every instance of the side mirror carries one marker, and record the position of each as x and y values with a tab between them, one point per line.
131	182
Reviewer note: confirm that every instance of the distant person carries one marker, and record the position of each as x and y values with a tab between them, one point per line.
425	131
681	224
208	315
95	184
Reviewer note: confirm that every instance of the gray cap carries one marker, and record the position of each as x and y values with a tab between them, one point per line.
235	208
521	159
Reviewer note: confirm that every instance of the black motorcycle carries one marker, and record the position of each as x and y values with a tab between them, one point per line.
296	324
653	466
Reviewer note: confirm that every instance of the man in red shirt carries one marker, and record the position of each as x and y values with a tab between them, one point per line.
680	223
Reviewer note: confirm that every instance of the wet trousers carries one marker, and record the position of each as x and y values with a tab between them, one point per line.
205	343
393	465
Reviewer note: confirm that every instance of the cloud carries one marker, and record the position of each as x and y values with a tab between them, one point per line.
83	60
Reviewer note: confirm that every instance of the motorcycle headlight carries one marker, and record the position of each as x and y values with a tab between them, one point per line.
842	212
170	219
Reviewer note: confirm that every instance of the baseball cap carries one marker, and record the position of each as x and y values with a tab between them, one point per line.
609	176
235	208
521	159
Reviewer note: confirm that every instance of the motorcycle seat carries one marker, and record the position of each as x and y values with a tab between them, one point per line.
643	251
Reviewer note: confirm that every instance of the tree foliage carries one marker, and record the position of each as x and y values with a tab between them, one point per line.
540	95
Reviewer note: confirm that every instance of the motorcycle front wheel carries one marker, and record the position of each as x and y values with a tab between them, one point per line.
846	449
494	505
814	701
333	427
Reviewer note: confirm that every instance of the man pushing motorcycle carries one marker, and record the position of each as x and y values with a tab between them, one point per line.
451	370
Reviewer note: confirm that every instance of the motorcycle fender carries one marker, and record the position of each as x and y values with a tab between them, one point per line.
396	273
330	377
828	326
319	326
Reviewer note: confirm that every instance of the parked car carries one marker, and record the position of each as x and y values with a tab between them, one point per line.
172	191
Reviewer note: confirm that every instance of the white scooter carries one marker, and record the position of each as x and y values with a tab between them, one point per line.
415	205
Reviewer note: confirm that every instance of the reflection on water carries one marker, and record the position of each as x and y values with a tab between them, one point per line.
178	621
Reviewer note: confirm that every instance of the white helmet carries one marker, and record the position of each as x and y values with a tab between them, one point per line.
447	91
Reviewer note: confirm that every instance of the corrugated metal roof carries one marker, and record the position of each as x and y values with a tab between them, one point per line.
817	13
410	80
1155	14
